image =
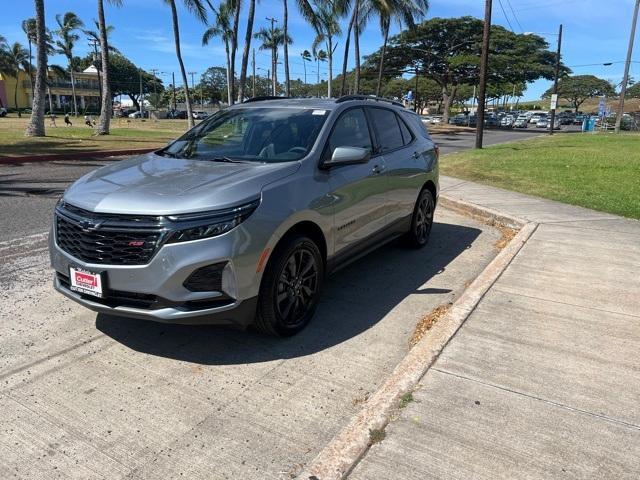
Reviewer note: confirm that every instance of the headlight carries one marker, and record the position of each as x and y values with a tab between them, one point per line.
196	226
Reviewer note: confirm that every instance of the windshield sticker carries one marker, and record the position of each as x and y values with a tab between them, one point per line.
318	112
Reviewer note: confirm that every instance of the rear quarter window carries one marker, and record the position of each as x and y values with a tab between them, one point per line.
416	123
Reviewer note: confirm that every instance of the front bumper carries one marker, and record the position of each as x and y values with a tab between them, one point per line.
156	291
239	313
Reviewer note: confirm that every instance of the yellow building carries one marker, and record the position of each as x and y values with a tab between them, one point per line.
87	91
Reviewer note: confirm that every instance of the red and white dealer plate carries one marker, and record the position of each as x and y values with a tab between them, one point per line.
84	281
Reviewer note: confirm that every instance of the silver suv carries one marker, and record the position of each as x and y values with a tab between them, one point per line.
239	220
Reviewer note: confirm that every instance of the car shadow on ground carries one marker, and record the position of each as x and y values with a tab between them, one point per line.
353	301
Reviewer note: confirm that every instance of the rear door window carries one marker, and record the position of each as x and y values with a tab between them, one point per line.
407	137
387	129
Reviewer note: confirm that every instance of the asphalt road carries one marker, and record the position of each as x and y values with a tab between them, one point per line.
28	192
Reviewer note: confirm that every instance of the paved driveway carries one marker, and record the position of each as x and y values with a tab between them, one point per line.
90	396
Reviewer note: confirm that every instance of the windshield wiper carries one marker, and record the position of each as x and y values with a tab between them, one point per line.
226	160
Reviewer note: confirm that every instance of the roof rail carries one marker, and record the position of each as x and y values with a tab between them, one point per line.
346	98
264	97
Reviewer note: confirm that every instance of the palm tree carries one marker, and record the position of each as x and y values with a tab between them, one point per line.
327	27
102	127
306	57
247	47
68	24
197	8
222	28
35	127
319	56
16	59
94	35
272	39
404	11
236	5
30	30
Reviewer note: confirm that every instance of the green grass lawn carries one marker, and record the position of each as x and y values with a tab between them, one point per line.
598	171
125	134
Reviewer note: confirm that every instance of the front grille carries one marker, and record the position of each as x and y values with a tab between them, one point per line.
106	238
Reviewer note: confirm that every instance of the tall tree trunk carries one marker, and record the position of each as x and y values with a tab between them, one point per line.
287	84
274	76
102	128
73	90
176	36
15	93
330	67
356	46
228	55
345	59
387	23
446	100
247	48
234	46
35	128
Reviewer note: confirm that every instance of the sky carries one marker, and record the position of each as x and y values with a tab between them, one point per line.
595	32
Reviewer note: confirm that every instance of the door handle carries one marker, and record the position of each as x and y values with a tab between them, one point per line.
377	169
415	155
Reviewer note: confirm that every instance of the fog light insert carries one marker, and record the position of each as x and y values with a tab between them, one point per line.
206	279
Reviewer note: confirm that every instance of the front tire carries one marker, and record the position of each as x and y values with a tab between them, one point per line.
422	220
290	288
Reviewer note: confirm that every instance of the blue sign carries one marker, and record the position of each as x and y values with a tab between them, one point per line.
602	107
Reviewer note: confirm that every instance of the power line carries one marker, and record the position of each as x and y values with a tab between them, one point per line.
514	15
505	15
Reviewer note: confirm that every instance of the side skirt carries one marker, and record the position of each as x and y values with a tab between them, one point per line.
368	245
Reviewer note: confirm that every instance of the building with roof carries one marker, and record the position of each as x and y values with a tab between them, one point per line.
59	93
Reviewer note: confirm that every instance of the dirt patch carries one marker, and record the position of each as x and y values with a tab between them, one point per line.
428	321
507	234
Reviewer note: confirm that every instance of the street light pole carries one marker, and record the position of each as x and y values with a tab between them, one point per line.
484	60
555	82
625	79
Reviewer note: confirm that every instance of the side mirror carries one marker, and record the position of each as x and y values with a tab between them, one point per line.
348	156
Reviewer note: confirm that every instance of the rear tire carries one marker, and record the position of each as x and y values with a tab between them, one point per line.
290	288
421	221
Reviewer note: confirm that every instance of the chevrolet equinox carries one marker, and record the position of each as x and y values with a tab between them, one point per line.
239	220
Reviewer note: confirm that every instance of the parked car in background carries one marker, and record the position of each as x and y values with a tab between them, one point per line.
239	220
542	122
139	114
557	125
200	115
507	121
579	118
177	114
460	119
521	122
535	117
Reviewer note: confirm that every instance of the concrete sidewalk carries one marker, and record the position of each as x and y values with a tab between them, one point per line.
543	379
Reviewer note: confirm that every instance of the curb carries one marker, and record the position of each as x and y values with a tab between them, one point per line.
338	458
74	156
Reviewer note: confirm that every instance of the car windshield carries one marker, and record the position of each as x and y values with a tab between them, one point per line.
251	134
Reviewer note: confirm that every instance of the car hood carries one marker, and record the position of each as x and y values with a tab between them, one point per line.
155	185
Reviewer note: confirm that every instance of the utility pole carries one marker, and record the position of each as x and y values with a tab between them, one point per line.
173	88
554	101
274	54
625	79
141	94
154	72
484	61
193	87
253	67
